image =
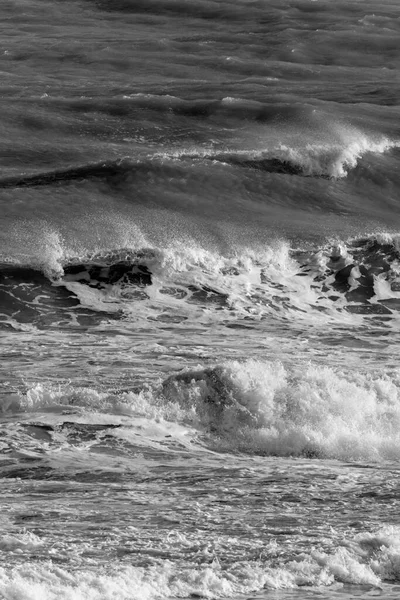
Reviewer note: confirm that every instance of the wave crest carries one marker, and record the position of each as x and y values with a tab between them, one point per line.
331	155
330	159
261	407
336	281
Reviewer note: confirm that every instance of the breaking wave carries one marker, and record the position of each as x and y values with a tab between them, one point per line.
261	407
360	276
331	156
264	407
326	160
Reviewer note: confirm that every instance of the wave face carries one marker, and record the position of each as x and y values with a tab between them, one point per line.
357	277
330	159
333	158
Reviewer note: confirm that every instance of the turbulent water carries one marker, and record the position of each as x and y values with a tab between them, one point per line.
199	299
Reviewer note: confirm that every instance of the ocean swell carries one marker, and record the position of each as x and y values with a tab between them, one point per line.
333	157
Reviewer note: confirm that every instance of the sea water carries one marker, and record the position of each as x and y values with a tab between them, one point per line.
199	299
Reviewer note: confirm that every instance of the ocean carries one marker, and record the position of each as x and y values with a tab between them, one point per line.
199	299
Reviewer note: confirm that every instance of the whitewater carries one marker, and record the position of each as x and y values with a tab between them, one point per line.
199	299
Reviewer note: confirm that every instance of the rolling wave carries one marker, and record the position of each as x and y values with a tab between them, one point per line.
262	407
267	408
330	160
325	160
360	277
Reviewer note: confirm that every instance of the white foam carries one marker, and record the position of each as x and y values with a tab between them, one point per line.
268	408
257	407
368	559
23	542
273	279
47	397
48	582
331	151
41	247
383	550
333	159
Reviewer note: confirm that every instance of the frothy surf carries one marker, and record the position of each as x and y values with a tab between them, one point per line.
271	409
338	280
369	559
257	407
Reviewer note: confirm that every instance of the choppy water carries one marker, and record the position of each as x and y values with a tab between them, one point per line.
199	299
